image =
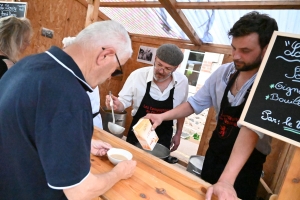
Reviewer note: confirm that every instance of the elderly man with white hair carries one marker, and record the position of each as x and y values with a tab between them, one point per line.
46	118
94	95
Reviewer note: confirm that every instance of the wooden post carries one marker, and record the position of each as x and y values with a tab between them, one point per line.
209	127
92	12
291	185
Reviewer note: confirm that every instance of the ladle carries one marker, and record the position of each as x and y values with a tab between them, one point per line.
113	127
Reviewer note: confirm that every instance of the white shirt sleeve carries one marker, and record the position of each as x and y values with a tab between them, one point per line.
95	103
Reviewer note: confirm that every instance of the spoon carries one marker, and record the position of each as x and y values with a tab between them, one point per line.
112	126
111	103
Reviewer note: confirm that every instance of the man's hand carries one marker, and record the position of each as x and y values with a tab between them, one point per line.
118	106
175	142
125	169
99	148
156	119
224	191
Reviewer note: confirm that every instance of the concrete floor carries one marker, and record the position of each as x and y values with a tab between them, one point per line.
186	149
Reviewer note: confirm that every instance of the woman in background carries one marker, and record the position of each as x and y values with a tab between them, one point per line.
15	36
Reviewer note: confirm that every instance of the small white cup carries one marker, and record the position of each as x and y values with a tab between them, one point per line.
116	155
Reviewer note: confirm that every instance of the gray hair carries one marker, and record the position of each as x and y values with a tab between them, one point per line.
13	33
106	34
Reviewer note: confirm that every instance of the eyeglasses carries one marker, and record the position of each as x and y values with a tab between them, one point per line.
117	72
165	69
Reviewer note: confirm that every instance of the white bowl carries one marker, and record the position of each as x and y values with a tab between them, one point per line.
116	155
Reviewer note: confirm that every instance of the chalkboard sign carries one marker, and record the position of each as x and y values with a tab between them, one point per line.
17	9
273	105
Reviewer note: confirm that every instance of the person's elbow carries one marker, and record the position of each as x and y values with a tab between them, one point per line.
84	190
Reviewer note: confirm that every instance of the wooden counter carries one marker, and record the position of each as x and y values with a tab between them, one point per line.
152	179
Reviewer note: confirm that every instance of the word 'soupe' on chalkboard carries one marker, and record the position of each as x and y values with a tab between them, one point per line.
17	9
273	105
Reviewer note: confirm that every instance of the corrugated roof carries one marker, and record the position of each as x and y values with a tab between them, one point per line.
211	25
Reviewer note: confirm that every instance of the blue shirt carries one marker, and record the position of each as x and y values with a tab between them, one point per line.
212	92
45	128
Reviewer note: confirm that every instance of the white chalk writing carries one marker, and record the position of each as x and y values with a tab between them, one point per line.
291	55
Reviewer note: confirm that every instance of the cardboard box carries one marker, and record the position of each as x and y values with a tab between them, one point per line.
146	137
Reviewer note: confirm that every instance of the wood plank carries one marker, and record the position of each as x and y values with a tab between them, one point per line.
232	5
101	15
175	173
184	44
75	19
291	185
210	5
209	127
135	4
92	12
181	20
282	167
145	181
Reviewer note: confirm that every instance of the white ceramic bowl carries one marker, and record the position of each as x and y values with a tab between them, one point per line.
116	155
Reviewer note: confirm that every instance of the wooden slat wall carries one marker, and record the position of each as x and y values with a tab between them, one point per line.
64	17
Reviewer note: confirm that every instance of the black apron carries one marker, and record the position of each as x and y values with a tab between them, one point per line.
3	66
221	145
149	105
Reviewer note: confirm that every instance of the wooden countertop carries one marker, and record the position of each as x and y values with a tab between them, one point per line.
152	179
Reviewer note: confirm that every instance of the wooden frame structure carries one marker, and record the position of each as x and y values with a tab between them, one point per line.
287	176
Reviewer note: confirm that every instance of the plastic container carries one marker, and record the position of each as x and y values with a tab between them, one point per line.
195	165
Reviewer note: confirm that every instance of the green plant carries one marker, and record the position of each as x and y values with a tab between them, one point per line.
196	136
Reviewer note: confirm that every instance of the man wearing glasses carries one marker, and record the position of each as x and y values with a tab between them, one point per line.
46	118
156	89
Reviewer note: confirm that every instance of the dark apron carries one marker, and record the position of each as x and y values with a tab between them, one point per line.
221	145
149	105
3	66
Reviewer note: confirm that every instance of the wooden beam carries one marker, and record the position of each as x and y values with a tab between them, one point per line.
291	185
210	5
136	4
283	164
92	12
210	125
240	5
101	15
184	44
181	20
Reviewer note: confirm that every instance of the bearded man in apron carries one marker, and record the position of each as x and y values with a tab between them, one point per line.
155	89
234	160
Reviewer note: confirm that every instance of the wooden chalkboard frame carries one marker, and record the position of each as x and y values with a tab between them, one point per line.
251	125
16	3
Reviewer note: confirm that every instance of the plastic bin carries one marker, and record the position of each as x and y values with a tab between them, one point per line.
195	165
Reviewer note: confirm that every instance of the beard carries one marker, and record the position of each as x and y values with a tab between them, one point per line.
161	79
248	67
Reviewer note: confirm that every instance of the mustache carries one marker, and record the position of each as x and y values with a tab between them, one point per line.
238	62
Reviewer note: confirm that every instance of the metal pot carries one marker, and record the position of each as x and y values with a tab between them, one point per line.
106	115
159	151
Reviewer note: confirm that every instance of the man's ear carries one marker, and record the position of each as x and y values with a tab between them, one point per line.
103	54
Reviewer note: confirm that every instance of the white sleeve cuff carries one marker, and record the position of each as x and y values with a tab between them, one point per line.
70	186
